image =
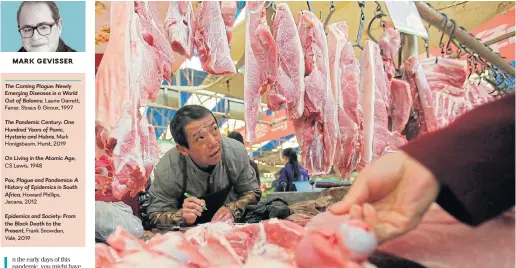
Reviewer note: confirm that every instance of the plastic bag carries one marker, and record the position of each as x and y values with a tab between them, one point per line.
110	214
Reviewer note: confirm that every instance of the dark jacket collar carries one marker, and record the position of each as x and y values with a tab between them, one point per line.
61	47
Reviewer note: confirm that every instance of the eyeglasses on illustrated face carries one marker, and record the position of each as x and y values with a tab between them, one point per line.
43	29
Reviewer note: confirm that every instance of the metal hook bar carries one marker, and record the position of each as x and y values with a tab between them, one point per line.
309	6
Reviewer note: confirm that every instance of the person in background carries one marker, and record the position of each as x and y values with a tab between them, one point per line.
237	136
40	27
206	177
292	171
467	168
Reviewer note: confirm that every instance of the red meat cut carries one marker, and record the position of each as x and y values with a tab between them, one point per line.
228	9
316	130
255	15
290	80
344	74
179	23
211	40
123	134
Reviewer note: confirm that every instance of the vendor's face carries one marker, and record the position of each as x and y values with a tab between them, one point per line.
204	140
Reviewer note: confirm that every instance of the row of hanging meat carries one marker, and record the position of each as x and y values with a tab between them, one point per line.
347	112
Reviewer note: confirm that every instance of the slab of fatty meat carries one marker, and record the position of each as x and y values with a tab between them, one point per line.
316	130
211	41
228	9
345	74
123	135
270	243
390	43
401	104
291	72
179	23
374	101
421	94
261	64
444	74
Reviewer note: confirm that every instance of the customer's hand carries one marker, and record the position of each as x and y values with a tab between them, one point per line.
391	194
192	208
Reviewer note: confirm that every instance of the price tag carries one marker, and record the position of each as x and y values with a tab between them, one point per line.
406	18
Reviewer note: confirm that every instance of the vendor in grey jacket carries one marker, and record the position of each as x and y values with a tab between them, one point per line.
214	170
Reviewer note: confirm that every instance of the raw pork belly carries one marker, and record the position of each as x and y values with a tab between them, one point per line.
228	9
374	101
271	243
390	43
211	40
345	73
290	80
252	98
401	103
123	135
421	94
179	23
446	74
316	131
266	55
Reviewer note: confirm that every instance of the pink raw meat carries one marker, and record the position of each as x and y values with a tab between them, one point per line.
445	73
169	250
335	241
316	131
277	243
424	103
179	23
156	48
344	73
448	107
440	241
265	53
290	80
374	101
477	94
228	9
401	102
255	14
211	40
125	136
390	43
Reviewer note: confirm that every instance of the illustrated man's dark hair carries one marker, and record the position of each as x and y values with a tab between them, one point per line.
183	116
236	136
51	5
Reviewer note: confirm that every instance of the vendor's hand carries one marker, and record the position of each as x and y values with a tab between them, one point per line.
391	194
192	208
223	214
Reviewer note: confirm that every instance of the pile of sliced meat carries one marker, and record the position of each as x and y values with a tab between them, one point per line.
327	241
142	51
347	112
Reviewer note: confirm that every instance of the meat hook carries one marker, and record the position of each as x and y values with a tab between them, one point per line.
377	16
309	6
448	47
332	9
361	4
